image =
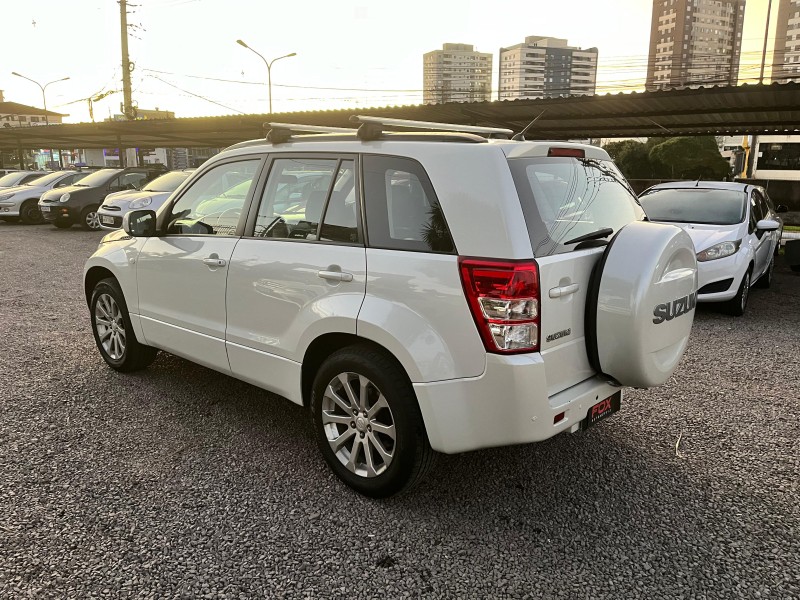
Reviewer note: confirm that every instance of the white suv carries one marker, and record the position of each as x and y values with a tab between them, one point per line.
418	292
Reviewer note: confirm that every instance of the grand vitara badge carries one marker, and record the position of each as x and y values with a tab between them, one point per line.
559	334
669	310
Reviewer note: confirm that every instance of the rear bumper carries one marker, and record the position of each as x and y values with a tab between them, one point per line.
506	405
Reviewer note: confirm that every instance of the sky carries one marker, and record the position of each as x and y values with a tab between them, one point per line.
350	53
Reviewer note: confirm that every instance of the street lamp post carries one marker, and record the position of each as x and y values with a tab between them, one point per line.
269	67
41	87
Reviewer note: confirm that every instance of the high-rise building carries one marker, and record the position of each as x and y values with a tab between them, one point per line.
694	43
786	59
545	67
456	73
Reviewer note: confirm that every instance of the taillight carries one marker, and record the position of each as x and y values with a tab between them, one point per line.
504	299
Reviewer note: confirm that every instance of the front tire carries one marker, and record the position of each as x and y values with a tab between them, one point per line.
90	220
29	213
368	423
113	332
738	304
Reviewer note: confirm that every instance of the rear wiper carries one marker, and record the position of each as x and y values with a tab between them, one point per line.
594	235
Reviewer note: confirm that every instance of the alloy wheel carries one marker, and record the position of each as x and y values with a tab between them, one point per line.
110	326
93	220
358	424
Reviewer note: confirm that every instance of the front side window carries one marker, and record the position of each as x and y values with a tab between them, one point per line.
309	199
564	198
214	203
403	212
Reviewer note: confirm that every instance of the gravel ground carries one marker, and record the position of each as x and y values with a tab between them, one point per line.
178	482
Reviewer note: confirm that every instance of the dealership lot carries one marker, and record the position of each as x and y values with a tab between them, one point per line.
178	481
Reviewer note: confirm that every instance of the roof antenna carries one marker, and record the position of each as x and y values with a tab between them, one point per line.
520	137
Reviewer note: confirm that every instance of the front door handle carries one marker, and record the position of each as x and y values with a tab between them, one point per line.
564	290
214	261
335	275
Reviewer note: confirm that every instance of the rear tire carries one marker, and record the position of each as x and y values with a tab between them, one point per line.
29	213
738	304
90	220
368	424
113	332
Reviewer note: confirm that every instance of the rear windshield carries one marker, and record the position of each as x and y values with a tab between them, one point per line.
564	198
695	205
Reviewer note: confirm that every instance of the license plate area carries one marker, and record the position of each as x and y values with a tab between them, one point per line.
107	220
44	208
601	410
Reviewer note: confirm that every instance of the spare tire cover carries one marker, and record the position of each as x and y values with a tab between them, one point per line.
641	304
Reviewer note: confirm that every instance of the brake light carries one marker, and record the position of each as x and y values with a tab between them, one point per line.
572	152
504	299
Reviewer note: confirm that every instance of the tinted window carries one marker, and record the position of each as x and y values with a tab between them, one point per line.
340	220
758	205
695	205
403	212
294	198
214	202
564	198
30	177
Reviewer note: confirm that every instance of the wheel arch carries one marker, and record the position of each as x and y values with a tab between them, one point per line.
327	344
93	276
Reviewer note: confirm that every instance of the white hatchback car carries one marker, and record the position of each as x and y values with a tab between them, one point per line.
735	230
152	196
417	291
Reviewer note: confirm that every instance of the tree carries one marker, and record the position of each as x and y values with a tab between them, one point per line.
694	157
632	158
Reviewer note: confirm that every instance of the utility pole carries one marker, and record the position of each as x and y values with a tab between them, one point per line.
127	109
126	63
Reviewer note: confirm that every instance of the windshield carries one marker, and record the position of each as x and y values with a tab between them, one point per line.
48	179
166	183
98	178
695	205
564	198
11	179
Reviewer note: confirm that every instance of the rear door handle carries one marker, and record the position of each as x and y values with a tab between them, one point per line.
564	290
335	275
214	262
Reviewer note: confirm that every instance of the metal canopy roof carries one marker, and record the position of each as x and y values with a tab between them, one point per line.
746	109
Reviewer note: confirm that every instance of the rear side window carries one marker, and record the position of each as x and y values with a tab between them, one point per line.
403	212
564	198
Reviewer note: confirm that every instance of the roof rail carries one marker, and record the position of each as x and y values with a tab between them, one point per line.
372	127
281	132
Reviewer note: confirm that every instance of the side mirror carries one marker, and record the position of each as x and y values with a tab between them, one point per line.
767	225
141	223
781	208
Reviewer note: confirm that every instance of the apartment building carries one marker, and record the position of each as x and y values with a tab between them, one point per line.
456	73
546	67
694	43
786	58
